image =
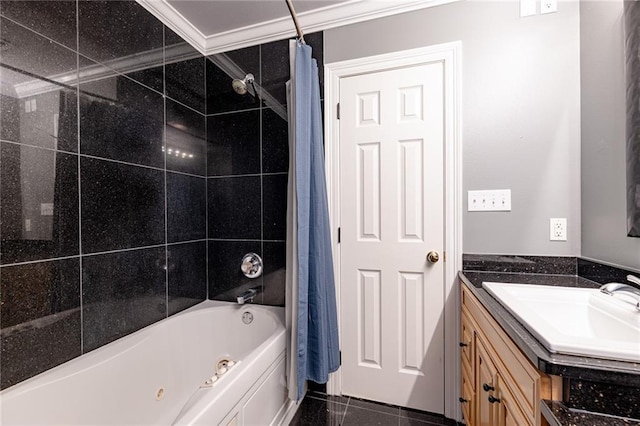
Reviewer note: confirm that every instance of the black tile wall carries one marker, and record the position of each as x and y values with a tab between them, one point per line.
40	311
121	293
133	178
274	205
110	30
122	206
186	143
186	207
53	19
221	70
102	214
122	120
226	280
275	262
234	206
275	141
247	165
187	266
233	143
39	206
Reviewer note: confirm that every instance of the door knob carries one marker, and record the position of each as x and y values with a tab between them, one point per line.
433	256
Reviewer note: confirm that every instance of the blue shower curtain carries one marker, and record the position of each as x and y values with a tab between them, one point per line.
311	287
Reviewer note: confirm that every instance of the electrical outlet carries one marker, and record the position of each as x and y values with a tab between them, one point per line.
558	229
548	6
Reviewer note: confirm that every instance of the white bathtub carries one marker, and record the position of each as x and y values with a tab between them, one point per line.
155	376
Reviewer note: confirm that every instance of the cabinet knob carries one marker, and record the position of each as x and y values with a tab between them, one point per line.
486	387
462	400
463	345
493	399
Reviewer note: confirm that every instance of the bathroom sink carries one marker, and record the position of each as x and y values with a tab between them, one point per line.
576	321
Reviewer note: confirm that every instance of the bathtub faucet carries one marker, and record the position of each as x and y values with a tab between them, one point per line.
247	296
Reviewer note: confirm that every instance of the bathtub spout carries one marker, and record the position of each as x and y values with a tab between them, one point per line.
247	296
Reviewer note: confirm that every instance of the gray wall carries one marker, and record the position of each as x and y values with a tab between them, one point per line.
521	111
603	136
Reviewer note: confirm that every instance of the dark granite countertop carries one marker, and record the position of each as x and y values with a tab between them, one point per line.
569	366
558	414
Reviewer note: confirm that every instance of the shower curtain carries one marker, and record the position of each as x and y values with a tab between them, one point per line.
310	299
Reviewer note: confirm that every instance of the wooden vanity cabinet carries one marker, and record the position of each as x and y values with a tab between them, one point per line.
500	386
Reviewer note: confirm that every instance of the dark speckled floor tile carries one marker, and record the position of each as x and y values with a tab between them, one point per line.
416	417
375	406
122	292
315	411
361	416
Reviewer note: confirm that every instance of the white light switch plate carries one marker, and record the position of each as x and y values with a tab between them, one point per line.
497	200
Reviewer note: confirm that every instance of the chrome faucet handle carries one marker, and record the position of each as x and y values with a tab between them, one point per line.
633	279
628	291
251	265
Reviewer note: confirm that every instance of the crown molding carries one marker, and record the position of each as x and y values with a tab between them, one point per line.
336	15
178	23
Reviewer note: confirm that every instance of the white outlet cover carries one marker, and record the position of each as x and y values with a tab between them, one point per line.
558	229
548	6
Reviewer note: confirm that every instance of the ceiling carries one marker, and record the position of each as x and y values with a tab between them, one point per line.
215	26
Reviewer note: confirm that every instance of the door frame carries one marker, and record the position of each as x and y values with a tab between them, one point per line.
450	54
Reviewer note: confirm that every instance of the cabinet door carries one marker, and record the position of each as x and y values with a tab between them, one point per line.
468	398
510	413
486	380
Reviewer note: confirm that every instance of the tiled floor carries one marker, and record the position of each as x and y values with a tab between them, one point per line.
319	409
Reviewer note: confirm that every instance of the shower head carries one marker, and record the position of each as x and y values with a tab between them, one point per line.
240	86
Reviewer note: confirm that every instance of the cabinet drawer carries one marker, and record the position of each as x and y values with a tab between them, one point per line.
467	342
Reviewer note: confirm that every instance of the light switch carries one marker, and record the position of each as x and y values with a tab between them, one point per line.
497	200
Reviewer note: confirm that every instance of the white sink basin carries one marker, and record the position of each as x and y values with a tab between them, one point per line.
576	321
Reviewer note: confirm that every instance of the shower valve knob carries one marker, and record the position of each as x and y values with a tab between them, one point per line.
251	265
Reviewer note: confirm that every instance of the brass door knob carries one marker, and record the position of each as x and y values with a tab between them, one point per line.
433	256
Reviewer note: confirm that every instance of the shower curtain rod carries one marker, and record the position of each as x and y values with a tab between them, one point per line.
295	20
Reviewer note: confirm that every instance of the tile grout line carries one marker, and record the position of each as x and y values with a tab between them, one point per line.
78	136
111	160
77	256
206	180
261	175
164	156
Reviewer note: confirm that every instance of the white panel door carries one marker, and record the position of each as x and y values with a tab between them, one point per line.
392	215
